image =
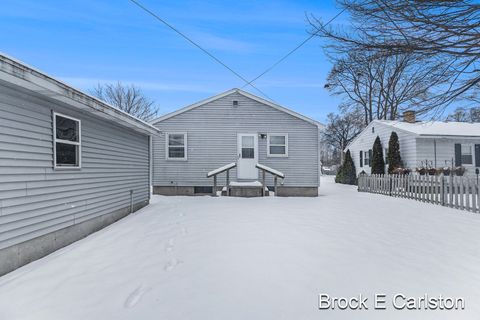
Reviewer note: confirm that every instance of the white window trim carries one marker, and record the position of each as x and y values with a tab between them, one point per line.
472	150
185	145
268	145
55	140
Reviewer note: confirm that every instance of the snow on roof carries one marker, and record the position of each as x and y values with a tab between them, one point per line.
436	128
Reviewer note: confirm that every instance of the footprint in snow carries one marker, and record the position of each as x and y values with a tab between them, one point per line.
135	296
171	264
169	245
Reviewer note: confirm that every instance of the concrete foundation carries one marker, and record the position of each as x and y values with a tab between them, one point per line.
20	254
174	190
246	192
283	191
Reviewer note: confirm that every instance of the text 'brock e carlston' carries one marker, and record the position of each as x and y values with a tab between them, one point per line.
398	301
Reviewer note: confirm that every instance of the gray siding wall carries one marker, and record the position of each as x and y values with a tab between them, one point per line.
445	150
365	141
35	199
212	142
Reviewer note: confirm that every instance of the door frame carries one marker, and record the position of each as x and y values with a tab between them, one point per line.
239	156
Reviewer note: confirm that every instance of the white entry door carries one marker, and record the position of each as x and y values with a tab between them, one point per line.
247	156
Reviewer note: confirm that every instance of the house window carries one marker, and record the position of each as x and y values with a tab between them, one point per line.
367	158
467	157
277	145
66	141
176	146
361	159
386	155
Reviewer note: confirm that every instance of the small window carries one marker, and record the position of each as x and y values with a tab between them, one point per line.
277	145
467	154
176	146
67	141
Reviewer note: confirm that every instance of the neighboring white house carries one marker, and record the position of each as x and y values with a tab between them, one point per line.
235	127
433	143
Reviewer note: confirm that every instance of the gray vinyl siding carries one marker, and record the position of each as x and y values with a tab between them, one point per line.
212	131
365	141
445	151
35	199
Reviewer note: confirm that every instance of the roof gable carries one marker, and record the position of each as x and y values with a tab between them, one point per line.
245	94
368	129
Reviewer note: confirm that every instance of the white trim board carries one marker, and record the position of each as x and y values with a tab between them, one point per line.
244	93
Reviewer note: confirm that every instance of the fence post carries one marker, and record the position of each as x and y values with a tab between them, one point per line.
477	195
390	185
450	194
442	190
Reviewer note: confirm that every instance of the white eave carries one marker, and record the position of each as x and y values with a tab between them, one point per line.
15	72
244	93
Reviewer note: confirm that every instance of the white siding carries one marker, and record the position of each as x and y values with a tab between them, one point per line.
212	142
35	199
365	141
445	151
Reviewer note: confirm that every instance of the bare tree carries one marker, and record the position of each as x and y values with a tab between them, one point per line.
381	85
462	114
435	30
128	98
342	129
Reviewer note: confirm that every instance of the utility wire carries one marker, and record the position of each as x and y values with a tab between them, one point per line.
153	14
291	51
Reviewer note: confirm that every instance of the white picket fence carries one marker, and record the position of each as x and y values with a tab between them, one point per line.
450	191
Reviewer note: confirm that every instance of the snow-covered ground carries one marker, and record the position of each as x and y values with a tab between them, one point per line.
262	258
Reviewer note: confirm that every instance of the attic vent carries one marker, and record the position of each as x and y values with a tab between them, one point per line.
235	103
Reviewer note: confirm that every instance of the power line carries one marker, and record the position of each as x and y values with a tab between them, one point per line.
291	51
153	14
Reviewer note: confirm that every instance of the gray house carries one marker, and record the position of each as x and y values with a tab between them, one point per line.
235	127
69	164
422	143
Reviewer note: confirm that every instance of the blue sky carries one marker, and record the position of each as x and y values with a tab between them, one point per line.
88	42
